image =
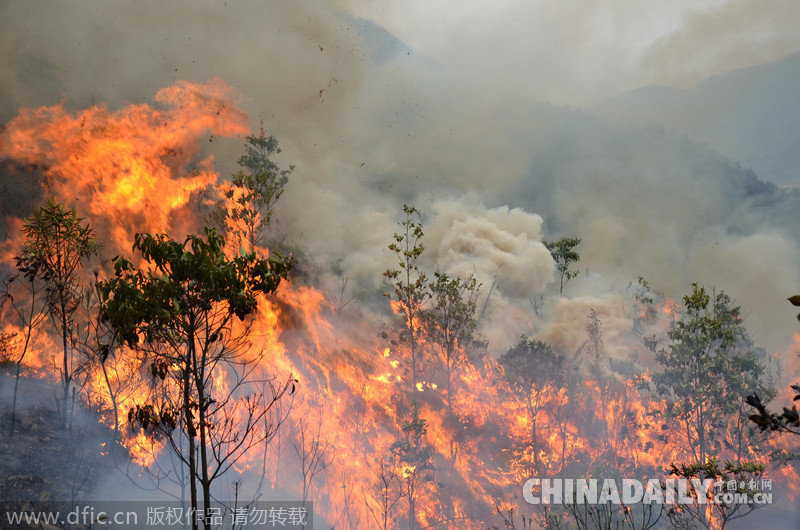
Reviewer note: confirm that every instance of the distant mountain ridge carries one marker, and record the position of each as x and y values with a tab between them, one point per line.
750	115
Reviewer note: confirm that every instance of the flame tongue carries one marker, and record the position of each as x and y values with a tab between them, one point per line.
129	168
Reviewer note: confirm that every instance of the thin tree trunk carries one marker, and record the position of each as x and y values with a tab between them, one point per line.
113	397
66	374
412	518
19	366
449	385
14	400
205	481
187	411
413	339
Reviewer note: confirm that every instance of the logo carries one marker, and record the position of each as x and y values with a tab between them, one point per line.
652	491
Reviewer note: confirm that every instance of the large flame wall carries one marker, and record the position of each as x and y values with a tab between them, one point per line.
143	168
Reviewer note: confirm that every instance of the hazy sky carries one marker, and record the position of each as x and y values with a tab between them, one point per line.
579	52
569	52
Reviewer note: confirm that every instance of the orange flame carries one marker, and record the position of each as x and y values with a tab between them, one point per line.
141	168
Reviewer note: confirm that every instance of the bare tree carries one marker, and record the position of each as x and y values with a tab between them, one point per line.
347	516
510	523
278	414
386	492
98	345
30	314
314	452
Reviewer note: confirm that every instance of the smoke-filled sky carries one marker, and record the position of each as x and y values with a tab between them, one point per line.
578	52
573	52
440	103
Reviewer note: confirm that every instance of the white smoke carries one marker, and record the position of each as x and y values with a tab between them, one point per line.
501	245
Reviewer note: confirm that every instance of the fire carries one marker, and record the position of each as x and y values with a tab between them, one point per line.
142	168
130	169
669	308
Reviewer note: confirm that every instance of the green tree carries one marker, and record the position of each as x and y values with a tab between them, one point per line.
709	365
255	189
181	314
563	252
408	283
56	244
707	369
451	323
415	456
534	370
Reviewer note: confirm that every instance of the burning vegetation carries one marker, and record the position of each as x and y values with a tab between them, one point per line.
163	299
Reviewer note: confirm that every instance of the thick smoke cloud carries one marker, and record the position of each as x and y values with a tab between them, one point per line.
502	249
466	238
449	120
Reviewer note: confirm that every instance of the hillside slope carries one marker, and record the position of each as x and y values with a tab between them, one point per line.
749	115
